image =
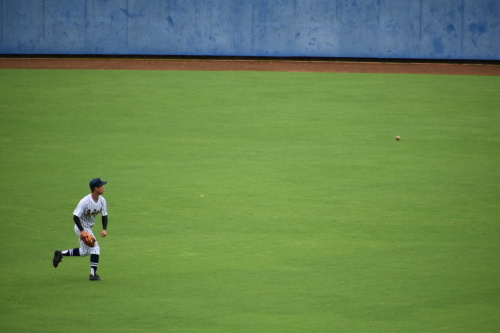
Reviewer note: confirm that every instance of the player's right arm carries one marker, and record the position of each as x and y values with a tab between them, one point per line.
78	222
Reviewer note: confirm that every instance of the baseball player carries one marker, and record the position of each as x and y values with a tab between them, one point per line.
84	216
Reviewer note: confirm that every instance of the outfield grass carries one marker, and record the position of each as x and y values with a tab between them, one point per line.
252	201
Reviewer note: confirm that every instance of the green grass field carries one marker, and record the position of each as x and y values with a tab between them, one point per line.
252	201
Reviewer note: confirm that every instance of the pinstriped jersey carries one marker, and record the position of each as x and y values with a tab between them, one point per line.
88	209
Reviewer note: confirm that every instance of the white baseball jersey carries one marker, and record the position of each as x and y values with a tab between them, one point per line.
88	209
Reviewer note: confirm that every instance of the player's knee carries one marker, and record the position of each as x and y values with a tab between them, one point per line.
95	250
84	252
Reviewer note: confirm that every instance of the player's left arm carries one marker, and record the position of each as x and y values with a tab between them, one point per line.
104	231
104	214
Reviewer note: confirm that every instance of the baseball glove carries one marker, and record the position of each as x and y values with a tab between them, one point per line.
87	238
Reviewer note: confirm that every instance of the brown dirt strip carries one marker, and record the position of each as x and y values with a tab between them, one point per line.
320	66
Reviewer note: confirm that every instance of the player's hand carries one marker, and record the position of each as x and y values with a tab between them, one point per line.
104	233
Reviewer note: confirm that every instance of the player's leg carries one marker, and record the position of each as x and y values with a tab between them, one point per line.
82	251
94	262
71	253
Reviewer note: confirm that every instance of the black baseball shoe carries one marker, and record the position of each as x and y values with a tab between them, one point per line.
57	258
95	277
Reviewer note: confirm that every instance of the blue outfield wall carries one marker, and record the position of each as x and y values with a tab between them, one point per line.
425	29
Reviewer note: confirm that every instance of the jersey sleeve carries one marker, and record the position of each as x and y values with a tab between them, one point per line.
79	208
104	211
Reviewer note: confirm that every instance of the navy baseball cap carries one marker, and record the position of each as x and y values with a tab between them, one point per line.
96	182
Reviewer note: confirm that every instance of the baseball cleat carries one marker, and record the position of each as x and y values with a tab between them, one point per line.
95	278
57	258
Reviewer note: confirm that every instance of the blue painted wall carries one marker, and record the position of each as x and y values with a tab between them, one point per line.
433	29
